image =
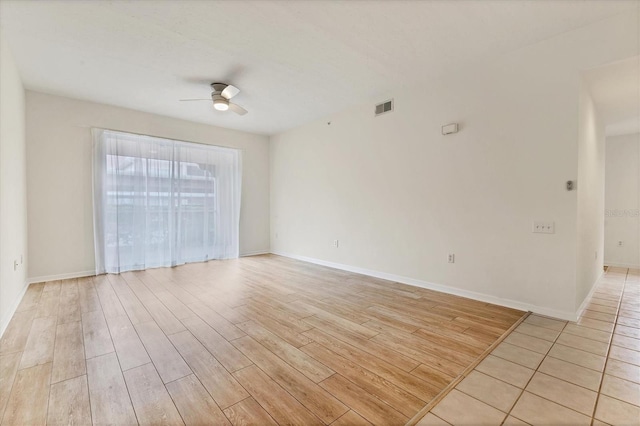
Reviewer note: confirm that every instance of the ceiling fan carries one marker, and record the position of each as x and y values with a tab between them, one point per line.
221	93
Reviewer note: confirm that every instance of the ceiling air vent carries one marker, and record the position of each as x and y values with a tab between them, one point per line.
384	107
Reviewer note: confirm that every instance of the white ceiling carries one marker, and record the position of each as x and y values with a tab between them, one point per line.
615	89
293	61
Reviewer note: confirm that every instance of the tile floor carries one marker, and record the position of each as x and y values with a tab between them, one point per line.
551	372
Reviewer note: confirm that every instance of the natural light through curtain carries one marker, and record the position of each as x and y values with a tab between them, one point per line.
160	202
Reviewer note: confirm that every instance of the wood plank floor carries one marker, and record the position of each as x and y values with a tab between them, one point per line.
257	340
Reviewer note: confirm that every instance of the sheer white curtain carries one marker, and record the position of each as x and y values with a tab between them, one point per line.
160	202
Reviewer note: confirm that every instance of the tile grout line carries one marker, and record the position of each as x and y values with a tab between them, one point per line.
588	338
253	364
193	373
534	373
115	352
4	412
10	389
156	368
222	410
84	348
440	396
351	380
541	372
546	374
606	362
55	338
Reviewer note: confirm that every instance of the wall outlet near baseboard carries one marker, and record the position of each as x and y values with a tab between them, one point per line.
451	258
336	243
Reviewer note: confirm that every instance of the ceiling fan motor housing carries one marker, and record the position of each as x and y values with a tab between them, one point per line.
218	87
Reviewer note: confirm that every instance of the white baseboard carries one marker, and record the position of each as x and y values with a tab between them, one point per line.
586	300
70	275
623	265
12	310
255	253
565	315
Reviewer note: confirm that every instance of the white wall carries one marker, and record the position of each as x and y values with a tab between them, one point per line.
13	187
59	177
590	208
400	197
622	201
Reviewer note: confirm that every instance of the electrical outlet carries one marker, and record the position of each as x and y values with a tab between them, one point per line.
540	227
451	258
335	243
620	243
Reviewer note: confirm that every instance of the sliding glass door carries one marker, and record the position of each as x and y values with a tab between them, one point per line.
160	202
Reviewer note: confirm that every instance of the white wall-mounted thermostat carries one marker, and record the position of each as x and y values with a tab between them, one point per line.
448	129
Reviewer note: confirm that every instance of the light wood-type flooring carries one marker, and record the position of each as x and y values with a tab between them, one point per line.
258	340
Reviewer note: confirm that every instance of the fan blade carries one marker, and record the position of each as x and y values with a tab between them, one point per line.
187	100
230	91
237	109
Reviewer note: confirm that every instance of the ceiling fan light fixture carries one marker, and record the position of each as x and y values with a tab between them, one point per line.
220	103
221	106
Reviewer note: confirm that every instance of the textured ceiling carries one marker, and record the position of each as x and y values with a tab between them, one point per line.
293	61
